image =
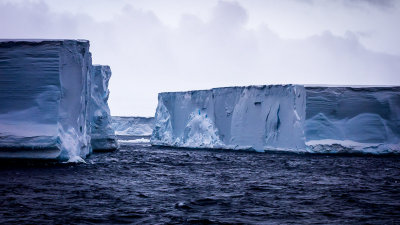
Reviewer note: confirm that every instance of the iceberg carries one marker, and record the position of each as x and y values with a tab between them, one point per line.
353	119
294	118
133	126
253	117
44	92
102	134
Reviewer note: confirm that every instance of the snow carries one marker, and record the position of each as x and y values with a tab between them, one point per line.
44	89
293	118
133	126
102	133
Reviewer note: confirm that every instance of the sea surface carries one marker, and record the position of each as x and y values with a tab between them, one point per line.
140	184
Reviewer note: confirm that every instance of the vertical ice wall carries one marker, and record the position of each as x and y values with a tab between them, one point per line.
286	118
102	134
44	89
254	117
132	126
365	119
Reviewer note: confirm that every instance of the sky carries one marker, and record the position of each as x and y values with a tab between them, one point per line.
155	46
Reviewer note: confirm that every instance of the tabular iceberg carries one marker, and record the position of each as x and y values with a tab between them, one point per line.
292	118
353	119
102	134
44	92
132	126
254	117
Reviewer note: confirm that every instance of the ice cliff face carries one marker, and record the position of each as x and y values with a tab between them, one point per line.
360	119
44	92
133	126
284	118
102	133
254	117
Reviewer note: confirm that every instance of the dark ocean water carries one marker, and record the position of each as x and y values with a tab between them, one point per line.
148	185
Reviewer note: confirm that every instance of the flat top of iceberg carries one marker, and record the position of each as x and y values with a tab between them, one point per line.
233	87
7	43
381	87
100	65
349	86
41	40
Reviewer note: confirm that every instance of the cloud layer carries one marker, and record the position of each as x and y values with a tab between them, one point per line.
148	56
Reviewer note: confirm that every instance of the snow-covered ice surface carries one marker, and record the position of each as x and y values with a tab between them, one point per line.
102	134
44	88
132	126
254	117
291	118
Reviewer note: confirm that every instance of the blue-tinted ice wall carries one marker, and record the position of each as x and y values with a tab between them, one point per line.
253	117
44	89
132	126
359	114
282	117
102	134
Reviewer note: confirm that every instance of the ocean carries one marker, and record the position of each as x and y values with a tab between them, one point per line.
141	184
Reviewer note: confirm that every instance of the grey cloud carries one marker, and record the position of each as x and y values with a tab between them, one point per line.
355	3
35	20
380	3
229	15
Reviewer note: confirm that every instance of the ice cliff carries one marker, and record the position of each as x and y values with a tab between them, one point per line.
44	91
133	126
102	134
292	118
254	117
355	119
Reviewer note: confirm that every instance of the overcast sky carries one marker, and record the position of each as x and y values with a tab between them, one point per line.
154	46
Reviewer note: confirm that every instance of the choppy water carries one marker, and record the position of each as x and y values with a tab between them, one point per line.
149	185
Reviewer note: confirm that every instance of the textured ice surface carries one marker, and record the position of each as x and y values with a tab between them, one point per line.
254	117
284	118
361	119
102	133
133	126
44	88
